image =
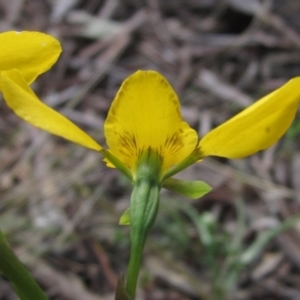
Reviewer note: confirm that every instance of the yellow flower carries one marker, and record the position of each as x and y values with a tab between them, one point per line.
144	122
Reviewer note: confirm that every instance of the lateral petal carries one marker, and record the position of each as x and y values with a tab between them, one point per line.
25	104
257	127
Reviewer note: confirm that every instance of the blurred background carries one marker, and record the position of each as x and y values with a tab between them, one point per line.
60	205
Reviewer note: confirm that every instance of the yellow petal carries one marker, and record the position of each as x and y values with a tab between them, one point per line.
21	99
146	114
256	128
32	53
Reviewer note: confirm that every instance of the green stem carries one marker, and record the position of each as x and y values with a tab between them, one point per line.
136	254
22	281
143	209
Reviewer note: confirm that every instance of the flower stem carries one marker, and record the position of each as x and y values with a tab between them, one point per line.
22	281
143	209
144	203
133	268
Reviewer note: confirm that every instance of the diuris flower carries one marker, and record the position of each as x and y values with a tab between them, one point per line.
144	116
147	139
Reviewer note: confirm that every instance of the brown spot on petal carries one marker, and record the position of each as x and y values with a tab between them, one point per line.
173	143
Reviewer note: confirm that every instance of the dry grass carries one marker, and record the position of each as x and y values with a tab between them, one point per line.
59	203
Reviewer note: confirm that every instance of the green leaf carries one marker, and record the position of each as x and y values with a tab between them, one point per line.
190	189
121	293
125	218
12	268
